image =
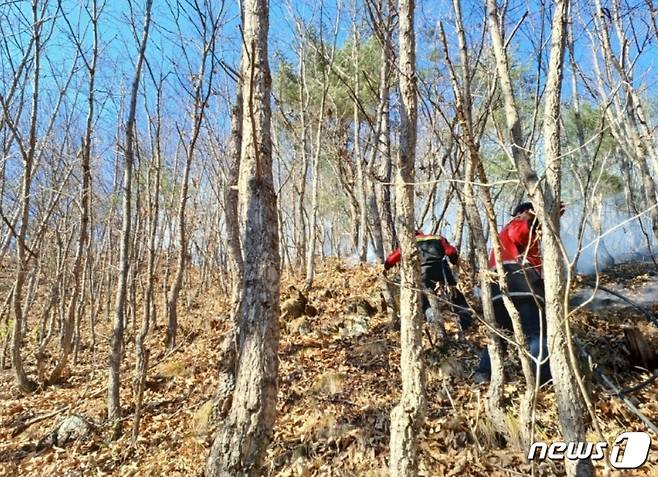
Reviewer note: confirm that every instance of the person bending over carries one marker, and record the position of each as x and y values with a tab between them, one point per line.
522	263
435	250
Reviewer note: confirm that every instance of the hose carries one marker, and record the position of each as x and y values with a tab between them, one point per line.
639	308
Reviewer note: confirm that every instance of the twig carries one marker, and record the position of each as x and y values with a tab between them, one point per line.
639	308
24	425
637	387
617	393
627	402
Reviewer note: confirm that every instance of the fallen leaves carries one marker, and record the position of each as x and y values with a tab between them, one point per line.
338	381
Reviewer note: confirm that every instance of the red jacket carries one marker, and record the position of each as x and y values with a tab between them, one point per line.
519	243
448	250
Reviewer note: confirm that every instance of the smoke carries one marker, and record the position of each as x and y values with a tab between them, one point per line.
612	235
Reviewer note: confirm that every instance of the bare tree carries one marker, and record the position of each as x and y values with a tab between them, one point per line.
571	407
153	210
240	443
407	415
317	150
546	200
362	244
28	149
473	167
209	26
114	379
382	19
85	202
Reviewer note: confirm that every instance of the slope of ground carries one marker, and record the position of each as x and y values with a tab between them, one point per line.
339	379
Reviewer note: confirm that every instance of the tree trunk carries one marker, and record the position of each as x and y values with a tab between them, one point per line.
24	383
315	191
546	201
231	199
116	354
153	191
300	218
464	112
362	245
407	416
241	442
315	167
85	205
384	144
201	94
570	403
375	223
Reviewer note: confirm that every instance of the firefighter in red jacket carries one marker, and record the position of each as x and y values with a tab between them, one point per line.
522	263
434	251
519	240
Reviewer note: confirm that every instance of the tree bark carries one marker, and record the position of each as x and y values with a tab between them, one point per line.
407	415
571	408
85	206
240	444
116	354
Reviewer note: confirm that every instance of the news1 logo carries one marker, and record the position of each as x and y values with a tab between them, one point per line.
629	451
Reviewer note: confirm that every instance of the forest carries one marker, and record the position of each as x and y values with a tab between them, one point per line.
330	237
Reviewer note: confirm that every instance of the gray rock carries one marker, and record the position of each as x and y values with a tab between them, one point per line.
301	326
72	428
353	326
360	306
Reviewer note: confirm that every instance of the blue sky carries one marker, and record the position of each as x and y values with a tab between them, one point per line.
164	52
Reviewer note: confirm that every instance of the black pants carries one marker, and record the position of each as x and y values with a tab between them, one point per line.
522	283
439	272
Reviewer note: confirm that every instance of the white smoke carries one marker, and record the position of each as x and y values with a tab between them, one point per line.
622	236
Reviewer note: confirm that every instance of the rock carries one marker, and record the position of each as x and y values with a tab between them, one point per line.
360	306
72	428
346	326
329	383
201	421
299	326
353	326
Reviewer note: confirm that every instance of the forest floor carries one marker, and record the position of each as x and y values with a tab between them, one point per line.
339	379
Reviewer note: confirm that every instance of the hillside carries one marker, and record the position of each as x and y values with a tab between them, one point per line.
338	378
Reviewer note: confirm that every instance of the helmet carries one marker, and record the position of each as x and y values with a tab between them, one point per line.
527	206
523	207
